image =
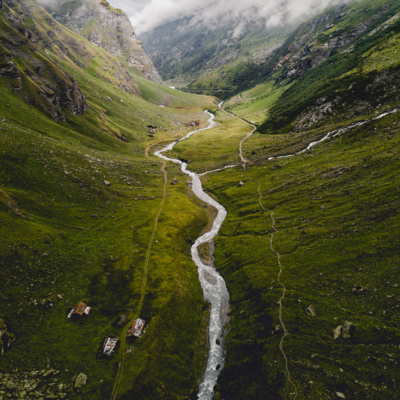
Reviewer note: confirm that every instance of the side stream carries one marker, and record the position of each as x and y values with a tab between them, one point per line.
213	284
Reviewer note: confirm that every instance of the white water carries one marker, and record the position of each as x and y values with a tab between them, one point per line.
335	134
213	284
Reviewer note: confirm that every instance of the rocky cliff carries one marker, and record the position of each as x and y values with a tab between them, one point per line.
30	71
108	28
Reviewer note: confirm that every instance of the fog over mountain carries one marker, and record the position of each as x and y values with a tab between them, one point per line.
131	7
147	15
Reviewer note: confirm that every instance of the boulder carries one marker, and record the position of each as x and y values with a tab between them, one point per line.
337	332
348	330
49	373
80	380
310	311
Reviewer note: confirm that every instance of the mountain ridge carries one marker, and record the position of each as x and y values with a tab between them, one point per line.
107	28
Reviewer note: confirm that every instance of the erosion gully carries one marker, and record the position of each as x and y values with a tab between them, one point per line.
213	284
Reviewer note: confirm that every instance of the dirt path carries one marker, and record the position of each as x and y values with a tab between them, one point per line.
244	161
289	380
121	364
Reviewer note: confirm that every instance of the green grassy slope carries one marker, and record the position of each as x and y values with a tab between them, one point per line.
66	236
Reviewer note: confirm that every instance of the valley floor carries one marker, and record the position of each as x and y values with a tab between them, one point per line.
309	243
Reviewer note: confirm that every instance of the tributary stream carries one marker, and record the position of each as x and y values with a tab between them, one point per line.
213	284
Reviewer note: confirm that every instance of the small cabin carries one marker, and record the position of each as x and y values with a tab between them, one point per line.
110	344
137	328
80	310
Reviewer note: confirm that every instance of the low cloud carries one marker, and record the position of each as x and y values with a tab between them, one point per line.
209	12
131	7
56	4
48	3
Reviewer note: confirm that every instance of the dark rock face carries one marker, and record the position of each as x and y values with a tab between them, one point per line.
64	94
308	53
27	68
8	69
72	98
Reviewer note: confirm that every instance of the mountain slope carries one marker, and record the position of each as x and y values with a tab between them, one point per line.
35	75
108	28
191	56
77	198
329	69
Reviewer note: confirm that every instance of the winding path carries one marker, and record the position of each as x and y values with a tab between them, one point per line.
289	380
244	161
121	364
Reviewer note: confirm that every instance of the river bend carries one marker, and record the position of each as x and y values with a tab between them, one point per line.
213	284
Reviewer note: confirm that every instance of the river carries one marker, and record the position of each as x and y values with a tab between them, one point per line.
213	284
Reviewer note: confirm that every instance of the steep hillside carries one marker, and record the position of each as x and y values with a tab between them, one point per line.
192	56
33	74
338	66
79	197
106	27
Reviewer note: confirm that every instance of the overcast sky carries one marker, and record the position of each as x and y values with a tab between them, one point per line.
131	7
148	14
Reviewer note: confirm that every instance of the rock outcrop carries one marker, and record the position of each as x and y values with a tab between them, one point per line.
312	46
360	97
6	338
8	69
108	28
27	67
346	331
